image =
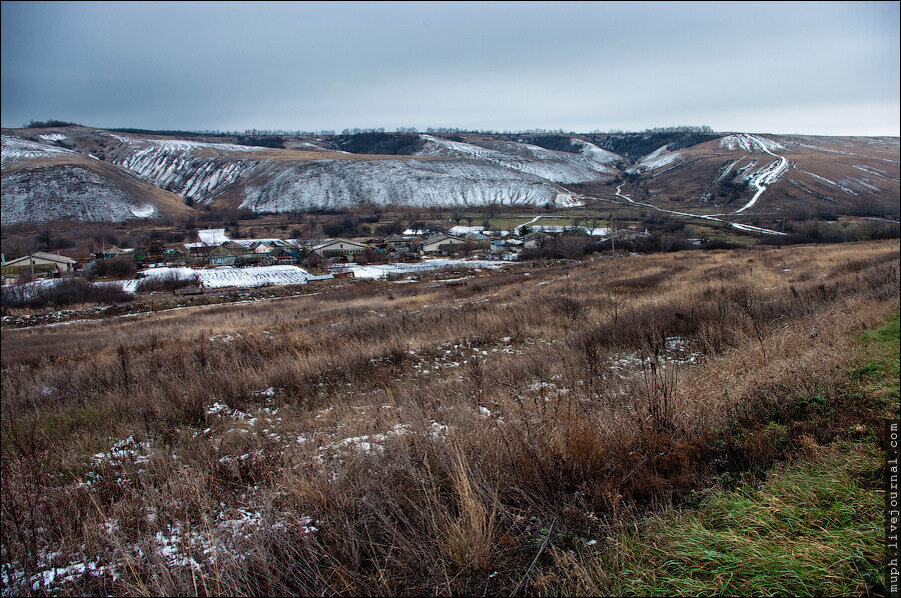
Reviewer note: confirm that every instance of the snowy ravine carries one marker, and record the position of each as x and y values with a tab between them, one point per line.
194	170
558	167
655	160
507	173
764	176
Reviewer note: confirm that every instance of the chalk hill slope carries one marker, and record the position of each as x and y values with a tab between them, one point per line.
86	174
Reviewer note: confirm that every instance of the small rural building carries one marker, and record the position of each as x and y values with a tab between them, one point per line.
175	257
397	242
111	252
340	248
499	246
190	290
535	240
223	255
42	262
283	256
441	243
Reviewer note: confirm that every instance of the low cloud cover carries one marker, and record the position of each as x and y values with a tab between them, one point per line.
819	68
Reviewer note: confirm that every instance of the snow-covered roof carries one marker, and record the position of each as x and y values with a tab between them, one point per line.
40	255
213	236
336	241
462	230
247	243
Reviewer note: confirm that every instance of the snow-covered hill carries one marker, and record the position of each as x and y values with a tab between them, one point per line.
194	170
44	181
67	192
78	173
337	184
16	150
558	167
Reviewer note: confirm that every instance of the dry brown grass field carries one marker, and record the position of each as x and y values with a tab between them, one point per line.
418	438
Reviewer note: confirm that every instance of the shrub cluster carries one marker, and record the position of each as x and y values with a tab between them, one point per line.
60	293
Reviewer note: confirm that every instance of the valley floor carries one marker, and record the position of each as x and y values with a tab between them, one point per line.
505	433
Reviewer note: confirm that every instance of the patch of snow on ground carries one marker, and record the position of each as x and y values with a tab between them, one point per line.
183	145
750	143
127	450
382	270
833	183
874	171
656	159
144	211
228	276
53	137
595	153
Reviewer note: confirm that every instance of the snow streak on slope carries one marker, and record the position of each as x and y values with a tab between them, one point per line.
558	167
656	159
68	192
53	137
340	184
175	165
833	183
750	143
14	149
597	154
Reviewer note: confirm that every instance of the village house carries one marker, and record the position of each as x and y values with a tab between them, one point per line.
503	246
340	248
223	255
111	252
40	262
397	243
175	257
283	256
535	240
441	244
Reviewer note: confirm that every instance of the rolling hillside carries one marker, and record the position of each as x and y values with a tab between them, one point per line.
85	174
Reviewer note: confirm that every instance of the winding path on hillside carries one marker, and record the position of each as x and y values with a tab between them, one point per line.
767	176
743	227
518	228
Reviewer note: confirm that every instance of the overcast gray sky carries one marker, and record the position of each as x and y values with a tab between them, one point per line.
819	68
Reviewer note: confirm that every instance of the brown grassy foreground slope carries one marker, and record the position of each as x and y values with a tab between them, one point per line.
417	438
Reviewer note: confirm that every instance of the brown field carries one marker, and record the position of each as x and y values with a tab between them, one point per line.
419	438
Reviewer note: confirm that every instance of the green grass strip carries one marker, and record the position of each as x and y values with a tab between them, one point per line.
813	528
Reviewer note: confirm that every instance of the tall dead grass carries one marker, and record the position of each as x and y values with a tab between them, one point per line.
438	439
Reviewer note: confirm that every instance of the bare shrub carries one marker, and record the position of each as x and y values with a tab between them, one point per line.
167	283
61	293
341	442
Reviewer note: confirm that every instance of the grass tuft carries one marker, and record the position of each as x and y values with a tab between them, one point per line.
809	529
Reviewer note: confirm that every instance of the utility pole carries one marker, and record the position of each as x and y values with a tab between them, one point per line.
613	237
31	261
